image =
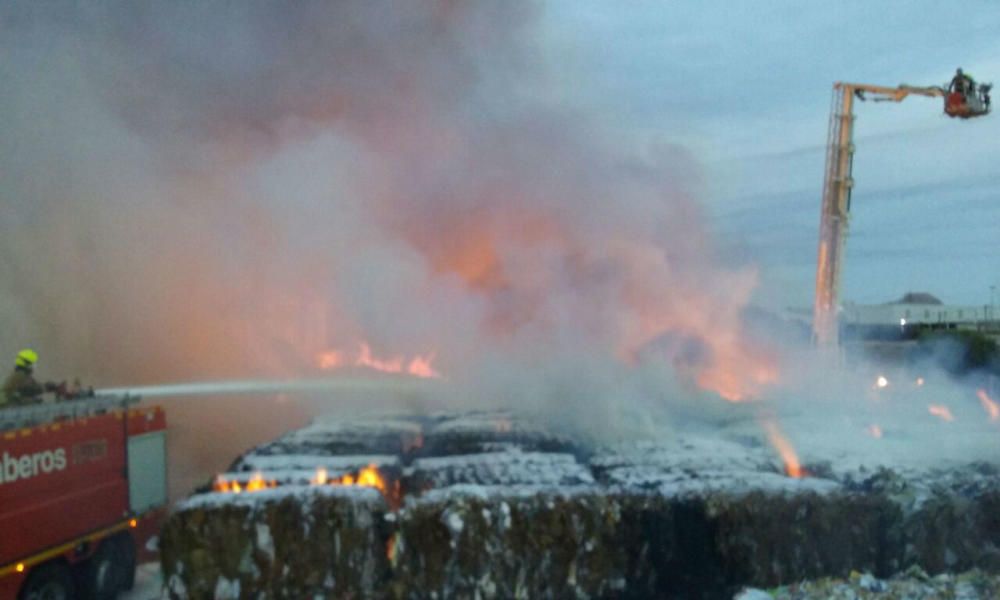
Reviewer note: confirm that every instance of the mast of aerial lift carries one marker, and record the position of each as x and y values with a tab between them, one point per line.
836	206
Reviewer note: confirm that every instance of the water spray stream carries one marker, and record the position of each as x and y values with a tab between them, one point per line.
270	386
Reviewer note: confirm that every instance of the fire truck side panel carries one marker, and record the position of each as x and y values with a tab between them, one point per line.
10	585
145	420
60	481
147	468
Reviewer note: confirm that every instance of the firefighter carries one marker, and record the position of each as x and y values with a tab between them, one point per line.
962	83
20	387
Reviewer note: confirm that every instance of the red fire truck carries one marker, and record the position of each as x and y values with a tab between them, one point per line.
82	490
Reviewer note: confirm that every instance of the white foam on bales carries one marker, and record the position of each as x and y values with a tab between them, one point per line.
454	522
326	427
510	467
226	589
264	541
303	493
495	492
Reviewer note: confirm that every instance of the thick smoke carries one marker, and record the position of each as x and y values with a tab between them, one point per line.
195	192
204	191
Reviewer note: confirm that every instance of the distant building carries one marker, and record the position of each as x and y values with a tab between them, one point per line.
915	310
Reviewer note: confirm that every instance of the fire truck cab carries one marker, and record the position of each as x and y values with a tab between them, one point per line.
82	491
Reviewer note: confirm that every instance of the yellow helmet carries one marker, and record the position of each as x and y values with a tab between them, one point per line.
26	358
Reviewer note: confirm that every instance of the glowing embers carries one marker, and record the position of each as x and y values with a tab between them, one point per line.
368	476
989	405
418	366
941	411
793	468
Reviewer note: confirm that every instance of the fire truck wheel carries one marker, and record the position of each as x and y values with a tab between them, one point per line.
53	581
127	549
101	575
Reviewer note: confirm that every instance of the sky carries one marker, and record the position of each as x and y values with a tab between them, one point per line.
746	87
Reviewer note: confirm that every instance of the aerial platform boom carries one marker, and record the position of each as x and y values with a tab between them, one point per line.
837	185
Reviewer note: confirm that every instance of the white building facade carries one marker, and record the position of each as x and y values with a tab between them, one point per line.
918	310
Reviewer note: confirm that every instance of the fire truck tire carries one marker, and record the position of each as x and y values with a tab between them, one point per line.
127	552
53	581
102	576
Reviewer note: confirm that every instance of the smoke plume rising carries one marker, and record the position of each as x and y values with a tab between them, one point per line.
195	192
206	191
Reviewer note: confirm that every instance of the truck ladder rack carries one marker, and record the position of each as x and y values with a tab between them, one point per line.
20	417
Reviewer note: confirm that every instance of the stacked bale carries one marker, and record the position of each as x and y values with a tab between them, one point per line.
515	512
288	542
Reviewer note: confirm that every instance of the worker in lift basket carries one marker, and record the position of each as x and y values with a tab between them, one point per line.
962	83
20	388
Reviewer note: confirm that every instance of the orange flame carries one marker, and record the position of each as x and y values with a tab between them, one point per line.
989	405
331	359
737	385
367	477
793	468
321	477
940	411
254	484
418	366
366	359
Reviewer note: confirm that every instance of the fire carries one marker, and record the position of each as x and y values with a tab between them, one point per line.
875	431
331	359
367	477
737	385
989	405
940	411
254	484
321	477
418	366
366	359
793	468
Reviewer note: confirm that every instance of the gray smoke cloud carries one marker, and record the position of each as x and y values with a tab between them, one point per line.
198	190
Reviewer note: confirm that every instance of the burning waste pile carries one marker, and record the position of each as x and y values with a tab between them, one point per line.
495	505
410	191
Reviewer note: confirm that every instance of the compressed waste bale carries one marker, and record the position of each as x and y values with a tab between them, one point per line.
494	507
955	532
475	541
288	542
770	539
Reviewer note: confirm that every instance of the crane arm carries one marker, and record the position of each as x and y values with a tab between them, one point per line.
888	94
